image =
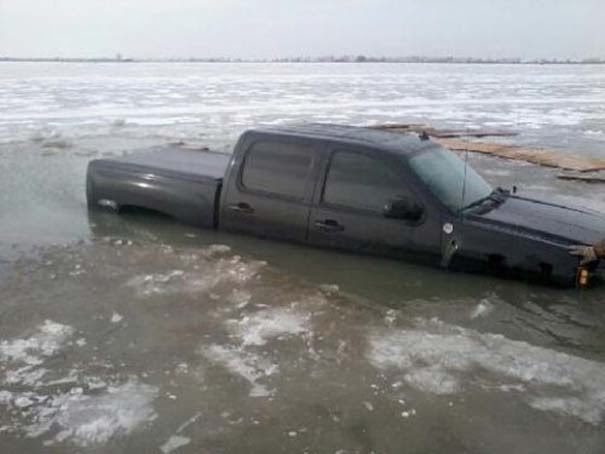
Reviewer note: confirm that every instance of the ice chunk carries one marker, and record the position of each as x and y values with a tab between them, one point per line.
269	323
27	375
86	420
434	380
94	383
329	289
23	402
250	367
5	397
213	273
71	377
482	309
572	406
190	421
173	443
240	298
46	341
216	249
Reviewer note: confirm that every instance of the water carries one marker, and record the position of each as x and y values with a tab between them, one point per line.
138	334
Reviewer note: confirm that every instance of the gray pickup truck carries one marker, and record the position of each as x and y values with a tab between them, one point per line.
356	189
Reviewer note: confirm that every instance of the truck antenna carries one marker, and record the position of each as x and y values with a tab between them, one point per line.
464	182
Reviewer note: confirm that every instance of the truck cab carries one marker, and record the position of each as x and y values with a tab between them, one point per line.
324	186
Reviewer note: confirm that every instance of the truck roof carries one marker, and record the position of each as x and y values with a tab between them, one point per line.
404	144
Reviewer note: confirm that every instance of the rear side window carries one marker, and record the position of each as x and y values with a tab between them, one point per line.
278	168
358	181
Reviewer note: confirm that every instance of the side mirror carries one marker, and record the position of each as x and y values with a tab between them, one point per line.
403	208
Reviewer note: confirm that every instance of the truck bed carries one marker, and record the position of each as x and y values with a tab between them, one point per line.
176	181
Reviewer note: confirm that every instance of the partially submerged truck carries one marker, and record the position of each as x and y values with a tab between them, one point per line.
361	190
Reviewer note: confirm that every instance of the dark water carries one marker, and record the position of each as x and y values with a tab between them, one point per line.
137	334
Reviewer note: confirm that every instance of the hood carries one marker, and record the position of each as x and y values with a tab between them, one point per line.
547	220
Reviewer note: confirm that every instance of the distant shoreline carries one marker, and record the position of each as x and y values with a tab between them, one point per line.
344	59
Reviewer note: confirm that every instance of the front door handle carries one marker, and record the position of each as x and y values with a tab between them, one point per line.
329	225
241	207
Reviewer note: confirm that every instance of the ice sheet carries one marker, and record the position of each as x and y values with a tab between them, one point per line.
442	359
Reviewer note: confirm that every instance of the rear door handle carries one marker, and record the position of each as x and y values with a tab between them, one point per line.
329	225
241	207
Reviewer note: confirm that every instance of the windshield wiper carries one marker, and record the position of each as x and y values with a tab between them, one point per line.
496	197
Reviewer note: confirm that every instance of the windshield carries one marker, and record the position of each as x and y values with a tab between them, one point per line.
443	172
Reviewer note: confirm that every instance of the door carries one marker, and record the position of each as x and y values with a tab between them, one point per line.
350	207
270	194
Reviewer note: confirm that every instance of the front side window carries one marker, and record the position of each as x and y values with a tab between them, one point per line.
449	178
361	182
278	168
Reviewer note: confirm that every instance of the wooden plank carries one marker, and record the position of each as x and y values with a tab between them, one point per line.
592	178
542	157
445	133
539	156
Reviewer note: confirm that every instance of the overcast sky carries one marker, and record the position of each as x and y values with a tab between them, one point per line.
282	28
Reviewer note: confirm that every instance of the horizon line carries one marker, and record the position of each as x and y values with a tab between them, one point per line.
323	59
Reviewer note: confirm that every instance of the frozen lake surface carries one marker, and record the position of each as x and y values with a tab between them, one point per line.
137	334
